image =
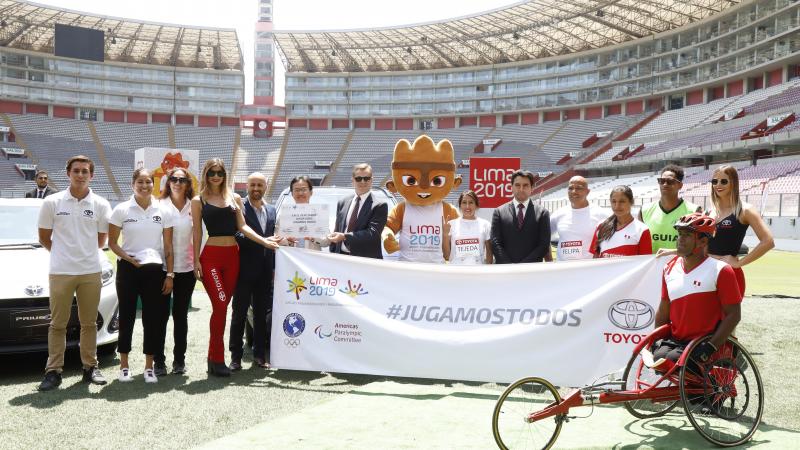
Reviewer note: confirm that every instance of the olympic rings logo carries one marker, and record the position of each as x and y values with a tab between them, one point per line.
292	343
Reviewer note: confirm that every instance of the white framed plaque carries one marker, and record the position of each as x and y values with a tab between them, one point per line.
304	220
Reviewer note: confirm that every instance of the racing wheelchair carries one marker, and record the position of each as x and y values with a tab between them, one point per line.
723	398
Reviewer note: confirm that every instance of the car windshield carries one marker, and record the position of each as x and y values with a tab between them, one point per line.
18	224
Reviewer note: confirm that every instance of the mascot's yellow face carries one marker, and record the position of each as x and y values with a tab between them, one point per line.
423	173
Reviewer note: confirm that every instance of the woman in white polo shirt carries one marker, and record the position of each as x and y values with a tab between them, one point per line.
146	245
176	198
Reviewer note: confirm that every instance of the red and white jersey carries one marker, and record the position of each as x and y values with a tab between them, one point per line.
632	240
696	298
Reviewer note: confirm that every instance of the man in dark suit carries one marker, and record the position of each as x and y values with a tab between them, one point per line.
42	190
520	229
255	284
359	219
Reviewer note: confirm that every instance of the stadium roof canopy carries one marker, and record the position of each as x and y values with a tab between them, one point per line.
522	31
31	26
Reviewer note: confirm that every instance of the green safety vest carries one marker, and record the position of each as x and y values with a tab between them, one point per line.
661	223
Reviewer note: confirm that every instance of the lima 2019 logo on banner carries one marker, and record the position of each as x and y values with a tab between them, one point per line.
319	286
630	314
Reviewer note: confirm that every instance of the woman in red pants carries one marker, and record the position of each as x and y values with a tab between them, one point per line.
217	266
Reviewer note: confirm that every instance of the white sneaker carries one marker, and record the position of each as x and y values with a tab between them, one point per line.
125	375
150	376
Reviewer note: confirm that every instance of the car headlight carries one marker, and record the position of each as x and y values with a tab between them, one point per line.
107	273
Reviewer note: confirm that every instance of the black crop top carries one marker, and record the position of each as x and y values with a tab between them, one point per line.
219	221
728	238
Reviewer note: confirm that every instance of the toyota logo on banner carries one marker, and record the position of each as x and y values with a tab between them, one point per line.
630	314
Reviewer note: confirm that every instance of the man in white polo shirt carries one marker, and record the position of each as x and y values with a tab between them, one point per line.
575	224
73	223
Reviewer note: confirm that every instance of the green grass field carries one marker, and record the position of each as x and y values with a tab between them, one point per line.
776	273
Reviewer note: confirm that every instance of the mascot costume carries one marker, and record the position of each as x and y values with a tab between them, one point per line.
423	173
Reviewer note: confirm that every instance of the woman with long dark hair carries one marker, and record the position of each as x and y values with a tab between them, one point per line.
144	260
217	266
176	198
733	218
467	240
621	234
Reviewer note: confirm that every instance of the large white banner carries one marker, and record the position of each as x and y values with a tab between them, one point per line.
569	322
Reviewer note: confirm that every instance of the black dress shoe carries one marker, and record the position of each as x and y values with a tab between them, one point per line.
218	369
160	369
178	368
261	362
236	365
52	380
94	376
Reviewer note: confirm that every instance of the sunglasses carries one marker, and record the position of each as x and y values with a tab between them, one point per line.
362	179
179	180
215	173
722	181
667	181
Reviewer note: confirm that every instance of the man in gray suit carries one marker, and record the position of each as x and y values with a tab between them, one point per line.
359	219
520	229
42	190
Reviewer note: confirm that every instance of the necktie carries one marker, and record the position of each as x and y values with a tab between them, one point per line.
354	215
41	194
520	215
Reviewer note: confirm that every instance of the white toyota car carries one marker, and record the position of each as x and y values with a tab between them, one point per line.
24	292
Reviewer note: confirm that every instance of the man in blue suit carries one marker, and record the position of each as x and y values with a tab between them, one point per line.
256	268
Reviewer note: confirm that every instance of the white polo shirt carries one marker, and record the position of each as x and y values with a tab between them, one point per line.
75	224
142	230
182	250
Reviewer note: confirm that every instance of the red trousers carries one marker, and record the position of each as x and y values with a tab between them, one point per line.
220	272
740	279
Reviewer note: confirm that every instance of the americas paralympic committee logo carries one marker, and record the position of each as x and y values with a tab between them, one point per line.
353	289
297	285
631	314
322	333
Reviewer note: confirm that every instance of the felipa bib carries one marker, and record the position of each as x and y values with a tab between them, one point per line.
421	236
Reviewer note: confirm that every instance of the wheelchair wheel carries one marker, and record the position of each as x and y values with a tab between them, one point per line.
638	376
724	397
518	401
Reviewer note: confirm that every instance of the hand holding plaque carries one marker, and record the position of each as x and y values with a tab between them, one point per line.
304	220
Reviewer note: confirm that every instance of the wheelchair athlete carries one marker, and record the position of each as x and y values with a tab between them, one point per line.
699	294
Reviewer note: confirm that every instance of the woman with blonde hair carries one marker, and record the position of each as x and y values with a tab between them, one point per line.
733	218
217	266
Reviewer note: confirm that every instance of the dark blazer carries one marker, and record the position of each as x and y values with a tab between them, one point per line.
255	261
47	191
512	245
365	239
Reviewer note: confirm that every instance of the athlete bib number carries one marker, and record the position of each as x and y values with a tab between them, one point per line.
570	249
467	251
